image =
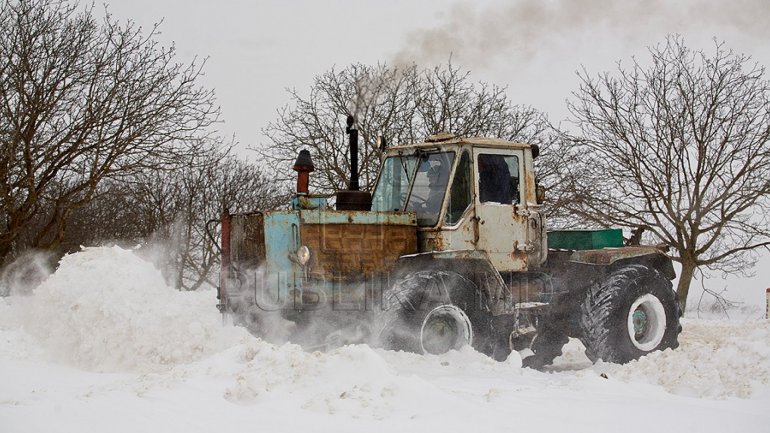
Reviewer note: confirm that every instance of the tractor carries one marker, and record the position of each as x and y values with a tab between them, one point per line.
449	249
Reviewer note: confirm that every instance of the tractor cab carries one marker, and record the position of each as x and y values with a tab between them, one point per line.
469	194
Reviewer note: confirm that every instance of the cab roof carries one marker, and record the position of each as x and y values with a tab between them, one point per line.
446	139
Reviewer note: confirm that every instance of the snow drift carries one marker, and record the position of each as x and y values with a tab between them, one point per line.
107	310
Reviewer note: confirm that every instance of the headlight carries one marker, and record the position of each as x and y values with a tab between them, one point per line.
303	255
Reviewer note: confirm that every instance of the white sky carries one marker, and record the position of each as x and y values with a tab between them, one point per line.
259	48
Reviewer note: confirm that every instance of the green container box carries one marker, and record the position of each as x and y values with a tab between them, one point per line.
585	239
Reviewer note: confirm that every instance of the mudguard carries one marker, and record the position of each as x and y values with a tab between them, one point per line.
613	257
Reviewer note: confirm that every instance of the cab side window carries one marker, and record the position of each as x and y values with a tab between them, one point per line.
498	179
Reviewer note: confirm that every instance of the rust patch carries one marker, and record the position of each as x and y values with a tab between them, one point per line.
439	241
529	187
607	256
519	256
248	240
350	251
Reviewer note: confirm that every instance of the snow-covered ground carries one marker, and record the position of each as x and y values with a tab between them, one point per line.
103	345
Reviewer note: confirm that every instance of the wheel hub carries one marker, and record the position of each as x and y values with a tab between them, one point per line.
640	323
646	322
445	328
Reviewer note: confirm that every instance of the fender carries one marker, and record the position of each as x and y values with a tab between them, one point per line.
613	257
472	264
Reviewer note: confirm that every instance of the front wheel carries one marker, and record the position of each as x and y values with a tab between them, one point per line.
631	313
445	328
433	312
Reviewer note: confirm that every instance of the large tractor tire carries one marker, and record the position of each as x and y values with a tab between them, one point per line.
634	311
434	312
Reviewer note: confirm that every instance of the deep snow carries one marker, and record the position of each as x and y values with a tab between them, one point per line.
104	345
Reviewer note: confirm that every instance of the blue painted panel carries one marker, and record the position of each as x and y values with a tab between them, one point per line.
281	240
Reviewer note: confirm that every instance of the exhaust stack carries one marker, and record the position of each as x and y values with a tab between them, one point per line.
353	145
352	198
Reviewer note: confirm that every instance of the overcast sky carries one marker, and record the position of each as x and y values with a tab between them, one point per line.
256	49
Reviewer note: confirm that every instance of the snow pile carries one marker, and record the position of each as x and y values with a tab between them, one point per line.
14	343
106	309
354	381
173	365
715	359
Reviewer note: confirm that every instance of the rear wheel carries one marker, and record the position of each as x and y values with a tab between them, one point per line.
631	313
646	322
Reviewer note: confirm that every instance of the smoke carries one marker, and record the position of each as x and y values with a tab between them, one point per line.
521	30
368	87
253	296
318	318
24	274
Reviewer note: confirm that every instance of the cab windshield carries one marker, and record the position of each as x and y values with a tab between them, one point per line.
393	185
415	183
429	186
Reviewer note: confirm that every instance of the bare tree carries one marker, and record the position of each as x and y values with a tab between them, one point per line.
681	150
81	101
554	168
166	211
403	104
224	182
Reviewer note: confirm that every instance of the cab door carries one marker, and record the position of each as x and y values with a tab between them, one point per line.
501	226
